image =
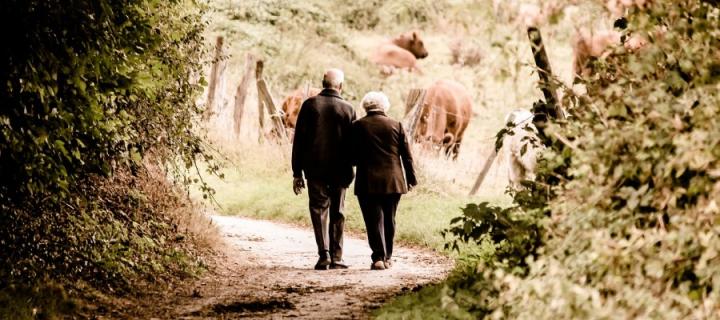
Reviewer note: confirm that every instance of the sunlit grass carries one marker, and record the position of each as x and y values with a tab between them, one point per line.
258	184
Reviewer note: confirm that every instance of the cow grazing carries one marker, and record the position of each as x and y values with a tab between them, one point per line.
291	106
445	115
401	52
522	147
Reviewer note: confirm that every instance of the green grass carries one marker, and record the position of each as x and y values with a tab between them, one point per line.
258	184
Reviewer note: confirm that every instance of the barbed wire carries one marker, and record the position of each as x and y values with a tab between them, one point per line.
512	128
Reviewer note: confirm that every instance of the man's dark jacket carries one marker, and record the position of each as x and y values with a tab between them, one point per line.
321	143
380	150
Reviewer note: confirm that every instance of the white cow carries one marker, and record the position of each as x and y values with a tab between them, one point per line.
522	146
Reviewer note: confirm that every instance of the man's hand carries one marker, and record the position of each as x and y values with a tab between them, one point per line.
298	185
411	187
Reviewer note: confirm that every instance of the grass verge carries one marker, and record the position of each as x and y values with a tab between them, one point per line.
258	184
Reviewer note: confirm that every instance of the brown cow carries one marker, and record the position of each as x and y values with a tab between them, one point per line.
401	52
589	45
291	107
445	115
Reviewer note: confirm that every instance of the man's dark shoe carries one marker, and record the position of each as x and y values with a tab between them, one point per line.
338	264
323	263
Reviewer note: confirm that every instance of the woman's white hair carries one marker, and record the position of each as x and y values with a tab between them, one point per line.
375	100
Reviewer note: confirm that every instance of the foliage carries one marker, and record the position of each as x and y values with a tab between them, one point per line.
92	86
95	95
372	14
42	301
128	230
466	294
632	219
634	230
626	193
515	234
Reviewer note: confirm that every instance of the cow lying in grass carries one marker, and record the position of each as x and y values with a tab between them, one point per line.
401	52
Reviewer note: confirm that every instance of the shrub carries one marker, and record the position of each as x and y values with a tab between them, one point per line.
94	93
630	191
92	86
634	230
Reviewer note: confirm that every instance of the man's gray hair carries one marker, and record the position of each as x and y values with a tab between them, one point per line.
375	100
333	78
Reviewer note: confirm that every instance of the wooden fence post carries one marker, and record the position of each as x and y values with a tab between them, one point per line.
241	92
545	74
414	105
486	167
216	71
548	89
261	109
266	99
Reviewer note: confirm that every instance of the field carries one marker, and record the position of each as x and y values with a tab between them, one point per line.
496	67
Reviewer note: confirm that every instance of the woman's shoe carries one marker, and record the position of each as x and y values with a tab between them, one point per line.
388	264
338	264
378	265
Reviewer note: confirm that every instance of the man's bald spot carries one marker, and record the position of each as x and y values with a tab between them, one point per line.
333	78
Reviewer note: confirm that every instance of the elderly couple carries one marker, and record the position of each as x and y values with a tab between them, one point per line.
328	142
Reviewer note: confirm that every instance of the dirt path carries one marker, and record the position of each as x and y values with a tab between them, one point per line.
265	271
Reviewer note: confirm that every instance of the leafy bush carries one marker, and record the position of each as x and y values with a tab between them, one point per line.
515	234
626	199
634	230
95	93
92	86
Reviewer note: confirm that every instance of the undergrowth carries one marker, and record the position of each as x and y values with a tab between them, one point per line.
626	212
98	105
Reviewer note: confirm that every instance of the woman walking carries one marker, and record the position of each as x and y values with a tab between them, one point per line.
382	154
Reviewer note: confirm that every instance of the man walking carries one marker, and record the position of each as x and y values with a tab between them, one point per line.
320	151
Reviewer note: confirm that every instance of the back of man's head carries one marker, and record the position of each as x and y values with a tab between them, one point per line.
333	79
